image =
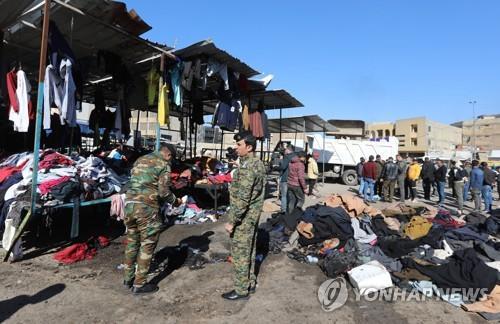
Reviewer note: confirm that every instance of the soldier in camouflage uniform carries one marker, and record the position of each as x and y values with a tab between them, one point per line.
247	199
149	189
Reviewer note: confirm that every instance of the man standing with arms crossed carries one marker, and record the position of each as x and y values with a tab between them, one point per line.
246	198
149	189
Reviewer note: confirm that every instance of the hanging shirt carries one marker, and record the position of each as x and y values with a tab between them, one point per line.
214	67
175	78
21	119
68	106
52	93
163	108
152	79
246	118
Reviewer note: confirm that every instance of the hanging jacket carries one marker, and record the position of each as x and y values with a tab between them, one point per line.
246	118
68	106
152	80
163	107
52	93
11	89
296	173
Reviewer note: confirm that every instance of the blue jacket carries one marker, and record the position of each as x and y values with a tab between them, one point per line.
476	178
284	166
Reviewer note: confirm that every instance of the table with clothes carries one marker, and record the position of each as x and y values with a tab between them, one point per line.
63	182
410	246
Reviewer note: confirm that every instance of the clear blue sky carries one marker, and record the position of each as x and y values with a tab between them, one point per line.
375	60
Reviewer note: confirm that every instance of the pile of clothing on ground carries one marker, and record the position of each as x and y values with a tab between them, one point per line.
61	179
411	247
188	213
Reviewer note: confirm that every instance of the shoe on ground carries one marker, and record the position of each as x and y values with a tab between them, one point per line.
146	289
233	295
252	290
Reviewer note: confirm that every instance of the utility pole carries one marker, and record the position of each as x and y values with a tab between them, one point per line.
473	103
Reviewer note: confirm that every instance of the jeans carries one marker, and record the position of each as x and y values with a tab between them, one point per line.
283	193
295	198
369	185
440	187
401	184
476	196
362	185
466	190
487	196
459	190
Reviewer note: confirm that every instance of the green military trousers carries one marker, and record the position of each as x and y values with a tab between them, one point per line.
243	248
143	230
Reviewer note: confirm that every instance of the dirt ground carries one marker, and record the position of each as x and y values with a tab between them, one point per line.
39	290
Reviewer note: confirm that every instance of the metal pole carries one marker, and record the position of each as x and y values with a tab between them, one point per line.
39	103
158	133
304	136
221	145
38	128
195	138
323	156
136	137
281	111
262	150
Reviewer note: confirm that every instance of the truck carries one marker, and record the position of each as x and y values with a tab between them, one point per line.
340	156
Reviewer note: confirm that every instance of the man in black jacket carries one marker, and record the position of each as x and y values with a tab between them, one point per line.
427	177
440	178
389	177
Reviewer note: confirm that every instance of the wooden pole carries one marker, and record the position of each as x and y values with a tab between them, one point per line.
38	125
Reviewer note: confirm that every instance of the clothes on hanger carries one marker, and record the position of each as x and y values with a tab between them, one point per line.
21	117
163	106
52	93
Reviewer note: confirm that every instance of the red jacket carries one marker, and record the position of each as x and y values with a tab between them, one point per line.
296	173
370	170
11	89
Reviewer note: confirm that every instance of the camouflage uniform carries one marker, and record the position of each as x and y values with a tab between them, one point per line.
149	188
247	199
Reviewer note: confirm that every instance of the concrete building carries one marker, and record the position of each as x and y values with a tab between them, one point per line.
348	129
419	136
487	134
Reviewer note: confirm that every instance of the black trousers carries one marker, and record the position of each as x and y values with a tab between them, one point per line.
427	185
311	183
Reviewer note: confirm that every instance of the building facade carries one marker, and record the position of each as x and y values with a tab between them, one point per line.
487	133
419	136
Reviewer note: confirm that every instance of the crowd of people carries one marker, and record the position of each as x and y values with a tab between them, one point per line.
293	185
468	180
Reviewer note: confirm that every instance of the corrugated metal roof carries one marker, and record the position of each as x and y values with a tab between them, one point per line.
10	10
308	124
208	49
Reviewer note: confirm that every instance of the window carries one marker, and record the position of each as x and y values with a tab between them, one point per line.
429	143
394	132
380	133
414	142
414	128
429	129
387	133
